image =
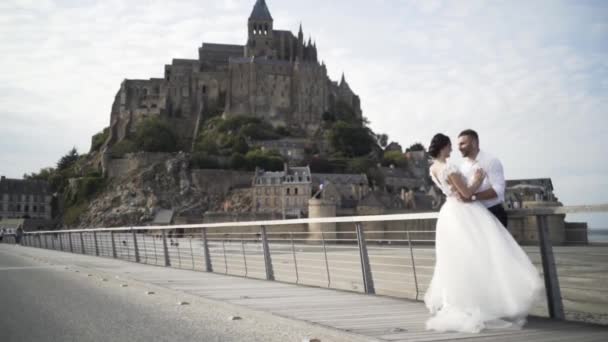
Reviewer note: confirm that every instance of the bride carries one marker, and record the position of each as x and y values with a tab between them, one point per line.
482	278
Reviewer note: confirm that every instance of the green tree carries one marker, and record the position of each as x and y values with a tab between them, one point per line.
394	158
239	162
240	145
416	147
68	160
264	160
351	140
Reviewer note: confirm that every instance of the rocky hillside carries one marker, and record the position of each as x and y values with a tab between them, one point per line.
136	198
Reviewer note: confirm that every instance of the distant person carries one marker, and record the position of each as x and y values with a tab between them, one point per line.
1	235
482	277
18	235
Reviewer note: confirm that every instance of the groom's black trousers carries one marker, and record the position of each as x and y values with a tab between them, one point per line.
500	213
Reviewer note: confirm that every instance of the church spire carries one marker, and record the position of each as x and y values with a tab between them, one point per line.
260	11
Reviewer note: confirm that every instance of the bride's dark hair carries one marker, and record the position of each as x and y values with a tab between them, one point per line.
438	142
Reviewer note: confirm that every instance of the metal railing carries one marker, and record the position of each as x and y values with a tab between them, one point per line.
381	254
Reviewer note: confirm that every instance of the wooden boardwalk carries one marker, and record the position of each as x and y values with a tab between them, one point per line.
375	317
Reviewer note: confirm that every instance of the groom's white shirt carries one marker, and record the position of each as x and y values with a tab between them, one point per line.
495	179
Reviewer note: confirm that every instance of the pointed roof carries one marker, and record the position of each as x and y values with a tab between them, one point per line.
260	11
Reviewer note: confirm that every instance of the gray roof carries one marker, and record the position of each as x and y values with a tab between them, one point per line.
543	182
24	186
260	11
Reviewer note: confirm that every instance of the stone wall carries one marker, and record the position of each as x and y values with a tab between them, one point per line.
220	181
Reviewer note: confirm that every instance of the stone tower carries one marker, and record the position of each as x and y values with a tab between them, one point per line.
260	31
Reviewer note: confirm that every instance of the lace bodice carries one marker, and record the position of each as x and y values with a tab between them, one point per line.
442	179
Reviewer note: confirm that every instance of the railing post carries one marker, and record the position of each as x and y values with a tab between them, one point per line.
114	254
366	271
326	262
82	250
52	242
166	250
96	244
61	242
409	243
208	264
46	241
267	258
135	245
554	296
295	260
225	260
244	257
71	243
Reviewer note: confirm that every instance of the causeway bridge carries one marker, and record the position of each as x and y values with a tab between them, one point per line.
271	281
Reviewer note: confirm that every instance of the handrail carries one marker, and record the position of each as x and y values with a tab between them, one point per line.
258	247
594	208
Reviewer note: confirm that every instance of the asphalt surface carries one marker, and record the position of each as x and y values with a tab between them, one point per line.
43	301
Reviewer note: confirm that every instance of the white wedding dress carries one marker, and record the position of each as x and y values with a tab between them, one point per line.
482	278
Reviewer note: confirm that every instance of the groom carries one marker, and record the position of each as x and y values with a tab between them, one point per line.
491	193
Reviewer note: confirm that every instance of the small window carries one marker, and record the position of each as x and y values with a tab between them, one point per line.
295	191
287	191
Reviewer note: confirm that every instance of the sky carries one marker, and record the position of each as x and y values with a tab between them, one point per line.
530	76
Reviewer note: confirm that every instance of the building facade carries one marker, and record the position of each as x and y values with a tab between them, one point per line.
286	192
25	199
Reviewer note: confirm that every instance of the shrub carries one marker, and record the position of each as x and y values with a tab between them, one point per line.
123	147
99	139
201	160
155	135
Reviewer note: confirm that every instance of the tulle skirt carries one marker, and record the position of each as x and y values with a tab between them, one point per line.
482	279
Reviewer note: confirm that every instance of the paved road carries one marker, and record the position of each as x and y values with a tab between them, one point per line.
41	301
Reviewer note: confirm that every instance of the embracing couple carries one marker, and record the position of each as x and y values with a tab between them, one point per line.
482	278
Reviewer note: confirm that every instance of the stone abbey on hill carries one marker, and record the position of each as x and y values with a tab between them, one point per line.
276	76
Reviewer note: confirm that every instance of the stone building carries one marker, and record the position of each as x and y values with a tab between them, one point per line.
519	191
276	75
397	180
346	190
539	193
20	198
286	192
